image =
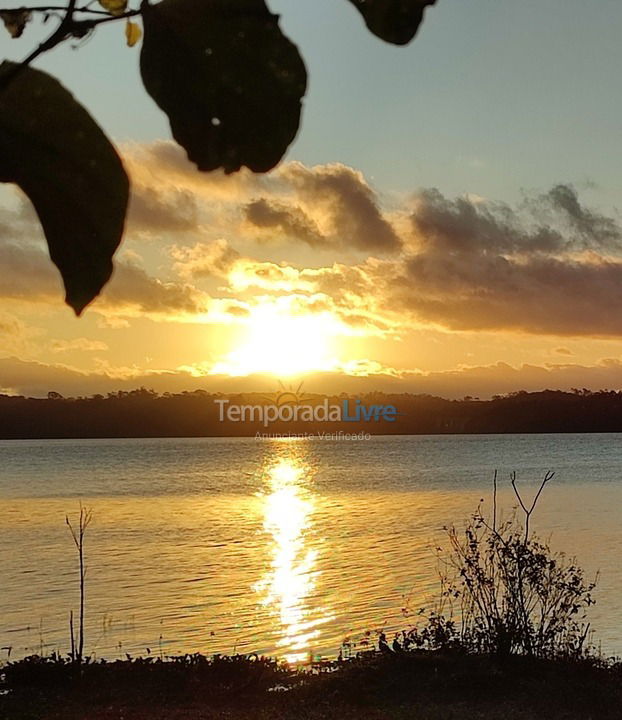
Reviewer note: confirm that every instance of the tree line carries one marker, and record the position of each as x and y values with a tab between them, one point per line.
144	413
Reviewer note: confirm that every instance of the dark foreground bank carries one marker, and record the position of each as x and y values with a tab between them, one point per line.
422	685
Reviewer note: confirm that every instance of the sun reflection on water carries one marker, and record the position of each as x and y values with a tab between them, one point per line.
288	586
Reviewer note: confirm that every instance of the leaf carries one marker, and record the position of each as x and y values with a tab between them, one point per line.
395	21
15	20
230	82
114	7
133	33
57	154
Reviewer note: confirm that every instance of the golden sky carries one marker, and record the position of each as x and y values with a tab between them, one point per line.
230	282
445	222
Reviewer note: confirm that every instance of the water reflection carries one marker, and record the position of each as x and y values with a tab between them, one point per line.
288	588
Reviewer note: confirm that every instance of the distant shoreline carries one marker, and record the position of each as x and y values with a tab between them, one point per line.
145	414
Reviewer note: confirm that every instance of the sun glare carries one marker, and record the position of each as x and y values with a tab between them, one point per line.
289	584
282	343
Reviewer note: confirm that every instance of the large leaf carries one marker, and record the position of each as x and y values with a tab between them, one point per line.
52	148
395	21
230	82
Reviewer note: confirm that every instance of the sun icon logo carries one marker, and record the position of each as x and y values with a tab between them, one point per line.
288	395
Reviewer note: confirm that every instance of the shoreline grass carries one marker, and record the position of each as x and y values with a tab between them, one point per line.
418	684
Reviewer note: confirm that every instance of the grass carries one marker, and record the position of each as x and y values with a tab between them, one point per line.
422	685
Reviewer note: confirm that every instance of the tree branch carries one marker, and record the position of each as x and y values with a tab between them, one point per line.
56	8
68	27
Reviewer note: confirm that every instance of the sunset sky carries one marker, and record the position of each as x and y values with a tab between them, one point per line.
446	222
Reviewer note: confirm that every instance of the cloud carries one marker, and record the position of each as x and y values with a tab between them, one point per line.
112	323
466	225
133	291
213	259
552	265
288	221
327	206
248	274
9	325
37	379
80	344
549	266
502	378
493	292
16	336
588	229
28	275
351	206
155	211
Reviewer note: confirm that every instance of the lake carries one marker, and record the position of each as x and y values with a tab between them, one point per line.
282	547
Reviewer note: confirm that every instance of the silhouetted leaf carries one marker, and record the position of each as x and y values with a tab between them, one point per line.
52	148
15	20
230	82
395	21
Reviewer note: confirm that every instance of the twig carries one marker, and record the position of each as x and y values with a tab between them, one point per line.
68	27
55	8
494	502
528	512
78	539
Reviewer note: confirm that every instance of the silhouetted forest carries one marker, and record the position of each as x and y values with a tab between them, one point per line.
144	413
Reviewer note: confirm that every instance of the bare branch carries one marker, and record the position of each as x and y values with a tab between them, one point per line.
44	9
67	28
494	502
528	512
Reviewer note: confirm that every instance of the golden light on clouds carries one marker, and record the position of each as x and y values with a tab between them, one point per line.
313	271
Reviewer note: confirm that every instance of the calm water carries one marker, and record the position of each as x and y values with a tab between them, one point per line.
281	547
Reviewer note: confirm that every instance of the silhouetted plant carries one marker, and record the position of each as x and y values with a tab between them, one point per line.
229	80
78	533
511	592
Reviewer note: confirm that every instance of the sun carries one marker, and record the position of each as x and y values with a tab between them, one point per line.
283	343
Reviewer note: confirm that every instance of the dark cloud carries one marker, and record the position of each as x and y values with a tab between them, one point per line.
553	222
328	206
351	205
463	225
131	288
481	266
155	211
587	228
540	295
27	273
290	221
